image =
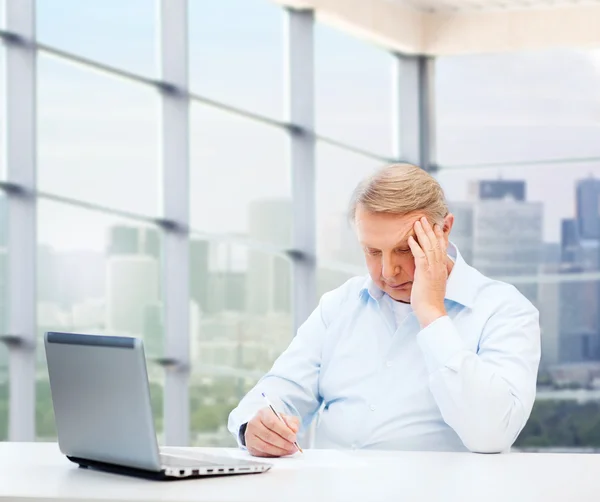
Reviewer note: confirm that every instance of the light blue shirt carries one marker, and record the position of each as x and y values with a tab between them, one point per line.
465	382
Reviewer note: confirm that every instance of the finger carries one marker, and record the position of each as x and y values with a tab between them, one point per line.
275	427
273	423
265	448
292	422
441	239
423	241
434	245
420	258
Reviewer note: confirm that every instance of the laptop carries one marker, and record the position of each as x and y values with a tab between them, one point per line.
101	400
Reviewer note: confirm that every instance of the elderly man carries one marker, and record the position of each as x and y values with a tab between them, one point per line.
426	353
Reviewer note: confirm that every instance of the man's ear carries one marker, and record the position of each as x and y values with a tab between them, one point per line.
448	223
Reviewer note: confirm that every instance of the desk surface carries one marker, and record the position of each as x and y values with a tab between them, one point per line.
38	471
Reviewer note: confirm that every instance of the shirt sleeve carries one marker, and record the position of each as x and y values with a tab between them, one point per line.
292	382
487	396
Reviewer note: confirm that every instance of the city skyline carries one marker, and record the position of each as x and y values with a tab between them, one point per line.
131	249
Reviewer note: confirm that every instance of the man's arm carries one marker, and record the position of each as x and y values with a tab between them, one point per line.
485	397
292	383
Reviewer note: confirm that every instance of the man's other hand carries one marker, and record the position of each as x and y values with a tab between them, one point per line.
267	436
431	272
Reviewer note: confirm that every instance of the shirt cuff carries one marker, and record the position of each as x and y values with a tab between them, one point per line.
242	435
441	345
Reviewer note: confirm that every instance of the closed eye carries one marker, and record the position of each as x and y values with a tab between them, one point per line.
373	252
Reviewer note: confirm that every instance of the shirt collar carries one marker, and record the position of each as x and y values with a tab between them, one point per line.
462	285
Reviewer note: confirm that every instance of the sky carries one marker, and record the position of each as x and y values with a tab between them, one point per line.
99	135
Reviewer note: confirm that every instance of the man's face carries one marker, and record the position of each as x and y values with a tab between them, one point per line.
384	240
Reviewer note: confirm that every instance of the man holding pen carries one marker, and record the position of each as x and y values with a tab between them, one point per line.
425	353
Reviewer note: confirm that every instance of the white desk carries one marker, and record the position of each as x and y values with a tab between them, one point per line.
31	472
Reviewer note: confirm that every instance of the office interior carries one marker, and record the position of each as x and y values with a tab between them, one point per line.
179	171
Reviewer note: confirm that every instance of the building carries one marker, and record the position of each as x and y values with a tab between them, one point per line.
500	233
153	330
131	287
507	241
588	208
502	189
199	280
133	240
269	276
579	301
338	242
462	230
89	315
550	307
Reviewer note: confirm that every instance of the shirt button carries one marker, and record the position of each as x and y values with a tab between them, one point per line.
389	364
372	407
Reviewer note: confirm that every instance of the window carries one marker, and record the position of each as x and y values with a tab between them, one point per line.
97	274
518	147
3	318
240	322
517	107
329	279
236	53
98	136
338	174
353	91
115	33
240	177
2	113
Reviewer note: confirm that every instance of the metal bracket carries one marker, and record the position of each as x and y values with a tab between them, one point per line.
16	342
170	363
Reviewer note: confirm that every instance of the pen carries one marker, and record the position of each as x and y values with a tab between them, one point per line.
279	417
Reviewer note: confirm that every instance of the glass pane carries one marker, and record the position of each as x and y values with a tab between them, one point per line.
3	318
338	174
552	188
353	91
98	137
517	223
517	107
116	33
566	413
2	113
247	193
329	279
96	274
236	53
240	322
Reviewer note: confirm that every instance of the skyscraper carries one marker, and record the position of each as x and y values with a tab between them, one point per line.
502	189
131	287
588	208
338	243
199	278
508	240
462	230
549	307
132	240
580	301
269	280
500	233
153	330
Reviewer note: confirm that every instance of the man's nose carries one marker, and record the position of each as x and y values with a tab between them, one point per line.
389	267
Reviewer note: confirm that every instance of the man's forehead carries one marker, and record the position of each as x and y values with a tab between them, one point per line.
395	230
